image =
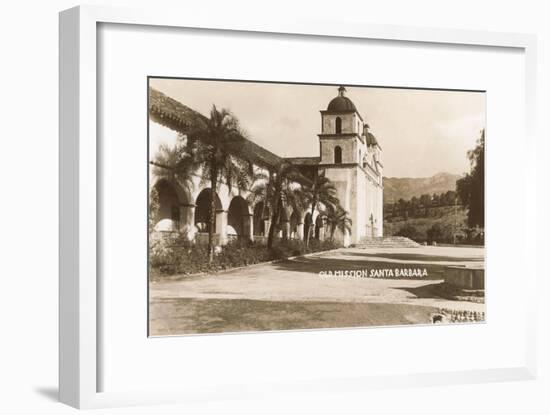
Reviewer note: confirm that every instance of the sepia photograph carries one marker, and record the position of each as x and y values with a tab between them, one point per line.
290	206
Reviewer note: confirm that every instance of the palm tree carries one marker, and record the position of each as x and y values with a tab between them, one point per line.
277	189
261	191
218	139
337	219
177	163
320	191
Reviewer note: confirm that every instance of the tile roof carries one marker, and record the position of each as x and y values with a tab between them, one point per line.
371	139
304	161
171	113
178	117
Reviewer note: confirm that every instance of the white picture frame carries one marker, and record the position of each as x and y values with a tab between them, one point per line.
78	311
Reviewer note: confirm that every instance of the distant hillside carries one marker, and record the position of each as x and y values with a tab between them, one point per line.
396	188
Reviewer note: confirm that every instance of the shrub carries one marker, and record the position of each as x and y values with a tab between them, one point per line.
409	231
434	234
474	236
181	257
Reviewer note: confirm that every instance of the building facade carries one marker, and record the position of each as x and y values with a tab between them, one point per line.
350	157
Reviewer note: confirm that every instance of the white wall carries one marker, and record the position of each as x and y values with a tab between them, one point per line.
29	228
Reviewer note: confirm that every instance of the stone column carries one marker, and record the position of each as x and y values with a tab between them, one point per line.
322	231
286	229
187	221
248	226
300	231
267	224
221	226
312	231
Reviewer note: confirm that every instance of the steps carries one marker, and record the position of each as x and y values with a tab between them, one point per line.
387	242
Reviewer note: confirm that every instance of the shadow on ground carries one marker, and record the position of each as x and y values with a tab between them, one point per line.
193	316
424	291
442	290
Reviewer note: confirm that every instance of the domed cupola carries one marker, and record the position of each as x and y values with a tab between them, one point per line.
341	103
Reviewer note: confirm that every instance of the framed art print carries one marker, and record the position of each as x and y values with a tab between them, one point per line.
378	232
260	206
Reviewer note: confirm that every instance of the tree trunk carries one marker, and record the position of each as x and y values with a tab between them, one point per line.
285	233
271	233
308	230
263	215
212	218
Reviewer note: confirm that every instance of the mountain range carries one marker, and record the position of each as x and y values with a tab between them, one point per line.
396	188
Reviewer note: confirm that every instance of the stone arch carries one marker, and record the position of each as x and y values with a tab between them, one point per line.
238	218
226	194
296	225
288	212
284	224
171	198
316	213
183	194
261	215
202	210
319	225
337	155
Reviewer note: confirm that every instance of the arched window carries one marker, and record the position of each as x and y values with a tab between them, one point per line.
338	125
337	155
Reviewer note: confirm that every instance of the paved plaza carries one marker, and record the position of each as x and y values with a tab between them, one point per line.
313	292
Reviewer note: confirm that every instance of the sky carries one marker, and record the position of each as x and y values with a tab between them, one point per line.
421	132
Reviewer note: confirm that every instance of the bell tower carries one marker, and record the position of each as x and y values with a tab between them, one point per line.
341	137
350	158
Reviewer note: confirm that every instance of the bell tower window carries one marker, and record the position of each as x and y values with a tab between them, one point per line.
338	125
337	155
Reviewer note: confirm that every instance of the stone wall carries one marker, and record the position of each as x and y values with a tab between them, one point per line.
347	144
349	123
465	277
